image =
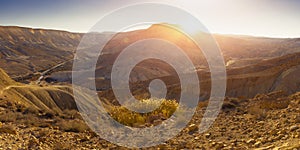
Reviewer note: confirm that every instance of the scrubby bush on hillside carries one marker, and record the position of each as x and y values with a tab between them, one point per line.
279	103
8	129
72	125
263	103
70	114
130	118
259	114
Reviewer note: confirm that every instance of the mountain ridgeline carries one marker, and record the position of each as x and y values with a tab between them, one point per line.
254	64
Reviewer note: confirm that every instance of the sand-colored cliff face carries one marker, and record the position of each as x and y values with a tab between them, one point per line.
266	76
288	80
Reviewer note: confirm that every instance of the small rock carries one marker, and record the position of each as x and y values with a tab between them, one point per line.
261	123
285	137
207	135
219	145
269	147
33	142
213	143
257	144
163	146
297	119
294	127
270	139
279	137
193	128
250	141
282	115
273	132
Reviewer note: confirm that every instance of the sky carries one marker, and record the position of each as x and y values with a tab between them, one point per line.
268	18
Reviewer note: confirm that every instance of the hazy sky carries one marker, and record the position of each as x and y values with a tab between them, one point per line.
273	18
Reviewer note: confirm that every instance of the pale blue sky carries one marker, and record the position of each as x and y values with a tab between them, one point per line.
273	18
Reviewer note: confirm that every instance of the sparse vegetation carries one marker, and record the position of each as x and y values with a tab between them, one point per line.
72	125
228	105
31	110
10	116
279	103
259	113
129	118
62	146
266	102
8	129
70	114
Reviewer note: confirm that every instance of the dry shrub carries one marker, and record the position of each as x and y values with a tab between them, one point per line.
10	116
62	146
202	104
31	110
279	103
43	133
235	101
8	129
72	126
21	118
70	114
32	120
295	96
230	103
274	100
260	114
130	118
48	114
266	102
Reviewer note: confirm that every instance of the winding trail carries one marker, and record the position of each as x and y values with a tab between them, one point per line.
9	87
50	69
40	74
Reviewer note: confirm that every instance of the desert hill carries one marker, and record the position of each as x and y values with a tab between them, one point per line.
24	50
45	98
254	64
28	51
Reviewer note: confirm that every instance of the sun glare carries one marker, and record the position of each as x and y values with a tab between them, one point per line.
136	27
189	28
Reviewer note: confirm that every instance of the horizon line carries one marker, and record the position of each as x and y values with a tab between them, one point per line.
82	32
